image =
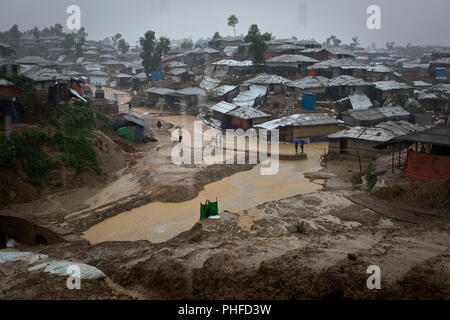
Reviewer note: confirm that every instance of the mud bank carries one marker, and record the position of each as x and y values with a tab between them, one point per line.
159	221
218	259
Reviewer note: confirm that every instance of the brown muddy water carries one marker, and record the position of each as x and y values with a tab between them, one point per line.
159	222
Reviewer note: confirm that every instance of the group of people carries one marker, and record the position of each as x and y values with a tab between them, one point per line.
302	144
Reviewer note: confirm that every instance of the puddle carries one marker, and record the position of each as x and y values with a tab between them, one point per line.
159	222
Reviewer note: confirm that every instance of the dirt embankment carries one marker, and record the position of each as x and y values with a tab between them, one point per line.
17	189
268	259
431	195
178	191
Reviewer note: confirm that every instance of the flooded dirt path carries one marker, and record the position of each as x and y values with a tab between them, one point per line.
159	221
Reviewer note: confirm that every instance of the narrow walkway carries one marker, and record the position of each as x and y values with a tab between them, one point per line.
396	212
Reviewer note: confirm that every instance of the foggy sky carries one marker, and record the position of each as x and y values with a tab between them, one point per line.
424	22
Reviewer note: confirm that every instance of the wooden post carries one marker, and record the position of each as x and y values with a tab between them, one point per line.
393	151
359	160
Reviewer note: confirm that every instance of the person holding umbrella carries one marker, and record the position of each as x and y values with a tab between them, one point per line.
299	141
180	133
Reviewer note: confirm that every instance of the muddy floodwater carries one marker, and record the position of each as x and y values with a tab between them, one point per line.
245	190
159	221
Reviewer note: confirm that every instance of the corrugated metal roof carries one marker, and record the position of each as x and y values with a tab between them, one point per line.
442	88
439	136
35	60
233	63
339	63
391	85
310	82
47	74
346	80
209	83
160	91
223	89
300	120
374	114
247	98
177	71
224	107
247	113
363	133
175	64
192	91
360	102
267	79
291	58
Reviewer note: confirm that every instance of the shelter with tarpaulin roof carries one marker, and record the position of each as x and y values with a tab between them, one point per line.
130	128
313	126
428	153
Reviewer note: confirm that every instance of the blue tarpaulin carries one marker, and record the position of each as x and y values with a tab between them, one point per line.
308	101
156	75
299	140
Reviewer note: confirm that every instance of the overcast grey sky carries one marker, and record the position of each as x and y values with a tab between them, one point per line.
425	22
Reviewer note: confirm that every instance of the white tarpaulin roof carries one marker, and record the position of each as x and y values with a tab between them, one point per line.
247	98
299	120
360	102
224	107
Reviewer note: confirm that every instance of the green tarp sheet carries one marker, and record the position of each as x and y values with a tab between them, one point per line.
127	133
208	209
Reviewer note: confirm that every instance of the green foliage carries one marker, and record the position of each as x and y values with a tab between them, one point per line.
299	228
257	46
187	44
152	51
123	46
371	178
213	97
232	22
73	124
216	36
7	153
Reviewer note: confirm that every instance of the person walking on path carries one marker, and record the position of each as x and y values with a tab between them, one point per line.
296	147
159	124
180	134
219	138
302	145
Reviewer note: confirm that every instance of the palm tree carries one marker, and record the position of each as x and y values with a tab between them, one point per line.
232	22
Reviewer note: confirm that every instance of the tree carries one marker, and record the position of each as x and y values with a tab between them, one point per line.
216	36
267	36
14	34
35	33
257	46
58	30
390	45
355	42
123	46
152	50
116	38
333	41
187	44
69	40
164	44
232	22
80	39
